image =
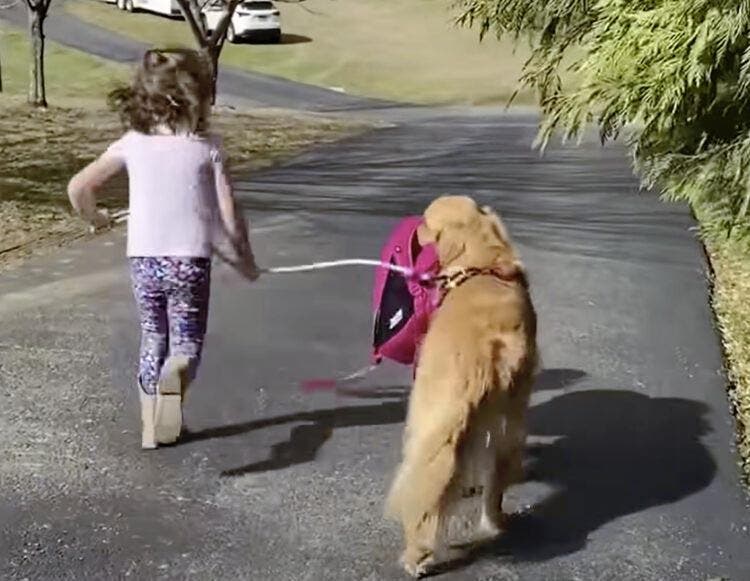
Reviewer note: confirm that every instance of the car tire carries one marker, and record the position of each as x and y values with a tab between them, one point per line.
231	35
276	37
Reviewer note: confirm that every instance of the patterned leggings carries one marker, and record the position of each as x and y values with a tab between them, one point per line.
172	294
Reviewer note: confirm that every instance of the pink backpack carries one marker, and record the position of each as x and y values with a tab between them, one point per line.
401	306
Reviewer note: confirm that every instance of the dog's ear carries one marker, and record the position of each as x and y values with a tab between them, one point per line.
425	236
449	222
494	227
451	244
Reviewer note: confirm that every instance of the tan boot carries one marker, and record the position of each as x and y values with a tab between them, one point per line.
148	411
172	384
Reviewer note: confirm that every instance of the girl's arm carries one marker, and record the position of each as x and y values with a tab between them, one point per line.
82	188
234	222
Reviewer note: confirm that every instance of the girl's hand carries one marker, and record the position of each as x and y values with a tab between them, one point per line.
100	219
249	269
245	258
82	188
244	264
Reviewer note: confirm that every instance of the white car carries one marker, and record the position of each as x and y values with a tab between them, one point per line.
163	7
253	19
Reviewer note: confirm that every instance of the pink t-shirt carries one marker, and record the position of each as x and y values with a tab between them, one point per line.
172	199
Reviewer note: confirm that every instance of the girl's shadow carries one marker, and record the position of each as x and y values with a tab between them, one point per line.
316	428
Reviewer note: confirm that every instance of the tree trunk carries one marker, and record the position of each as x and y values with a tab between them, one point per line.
212	55
1	73
37	91
209	44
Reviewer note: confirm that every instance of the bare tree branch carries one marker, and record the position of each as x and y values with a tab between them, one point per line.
210	43
39	6
221	29
196	24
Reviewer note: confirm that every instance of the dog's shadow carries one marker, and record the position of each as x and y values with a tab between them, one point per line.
616	453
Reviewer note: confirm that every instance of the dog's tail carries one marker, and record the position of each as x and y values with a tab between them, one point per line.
430	457
428	466
431	454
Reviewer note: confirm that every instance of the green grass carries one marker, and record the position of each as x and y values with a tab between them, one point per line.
70	74
731	300
406	50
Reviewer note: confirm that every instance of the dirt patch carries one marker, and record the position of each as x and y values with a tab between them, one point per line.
30	229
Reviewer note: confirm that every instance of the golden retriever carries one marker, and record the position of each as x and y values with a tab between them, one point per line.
465	427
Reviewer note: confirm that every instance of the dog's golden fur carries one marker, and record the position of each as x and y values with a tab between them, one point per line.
465	424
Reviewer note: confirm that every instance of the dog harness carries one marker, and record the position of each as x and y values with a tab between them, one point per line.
448	282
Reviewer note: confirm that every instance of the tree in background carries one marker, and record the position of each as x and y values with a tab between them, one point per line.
671	75
37	11
210	42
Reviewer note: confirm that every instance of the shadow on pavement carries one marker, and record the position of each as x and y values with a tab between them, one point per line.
551	379
271	39
618	453
294	38
317	426
375	392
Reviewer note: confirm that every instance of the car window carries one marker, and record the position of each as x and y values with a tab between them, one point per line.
258	5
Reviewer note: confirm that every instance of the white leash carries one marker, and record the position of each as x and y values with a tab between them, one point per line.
122	215
407	272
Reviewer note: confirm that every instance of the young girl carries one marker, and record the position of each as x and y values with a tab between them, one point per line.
180	192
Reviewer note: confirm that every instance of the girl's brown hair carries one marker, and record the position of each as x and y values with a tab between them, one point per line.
171	88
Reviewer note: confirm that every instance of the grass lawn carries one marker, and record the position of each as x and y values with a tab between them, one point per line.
731	263
69	74
41	149
407	50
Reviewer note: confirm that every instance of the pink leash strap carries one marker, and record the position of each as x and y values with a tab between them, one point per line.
311	385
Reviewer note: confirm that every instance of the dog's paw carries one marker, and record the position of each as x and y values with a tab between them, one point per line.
415	566
491	526
418	570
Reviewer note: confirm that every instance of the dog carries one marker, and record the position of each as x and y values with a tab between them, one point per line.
465	425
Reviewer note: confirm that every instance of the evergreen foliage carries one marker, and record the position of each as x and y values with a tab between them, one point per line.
673	76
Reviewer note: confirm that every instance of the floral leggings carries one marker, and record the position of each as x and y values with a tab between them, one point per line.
172	294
